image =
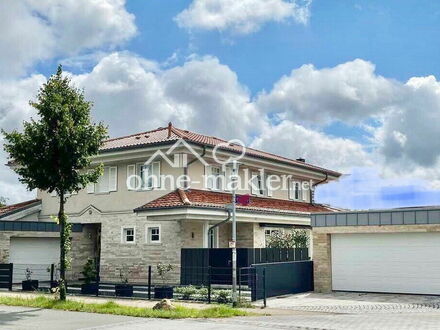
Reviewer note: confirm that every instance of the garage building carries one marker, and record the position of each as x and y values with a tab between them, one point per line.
390	251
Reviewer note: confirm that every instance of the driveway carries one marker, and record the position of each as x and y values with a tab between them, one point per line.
356	303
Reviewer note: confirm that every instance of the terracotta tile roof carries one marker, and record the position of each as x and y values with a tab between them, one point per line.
160	136
210	199
9	209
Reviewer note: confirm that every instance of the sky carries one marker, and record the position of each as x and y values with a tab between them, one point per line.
348	85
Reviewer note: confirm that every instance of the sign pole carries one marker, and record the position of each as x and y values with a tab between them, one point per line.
234	235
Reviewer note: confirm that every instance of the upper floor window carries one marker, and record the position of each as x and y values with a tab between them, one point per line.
107	182
296	191
217	179
257	184
143	176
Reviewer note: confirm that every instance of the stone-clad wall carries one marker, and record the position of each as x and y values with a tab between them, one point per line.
322	246
82	249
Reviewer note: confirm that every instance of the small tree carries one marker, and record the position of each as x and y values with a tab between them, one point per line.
53	153
3	201
297	238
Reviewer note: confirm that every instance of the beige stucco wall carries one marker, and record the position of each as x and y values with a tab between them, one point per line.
322	246
120	200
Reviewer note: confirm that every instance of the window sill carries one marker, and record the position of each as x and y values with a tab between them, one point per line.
154	244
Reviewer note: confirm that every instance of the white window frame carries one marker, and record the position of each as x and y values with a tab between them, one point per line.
143	187
293	190
206	227
147	234
259	184
92	188
124	236
217	178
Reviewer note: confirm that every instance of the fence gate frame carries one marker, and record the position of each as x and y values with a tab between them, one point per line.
6	271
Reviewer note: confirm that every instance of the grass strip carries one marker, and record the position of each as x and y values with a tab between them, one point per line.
111	307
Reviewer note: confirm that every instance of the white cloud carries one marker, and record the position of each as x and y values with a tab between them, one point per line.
295	141
132	94
242	17
14	109
350	92
34	30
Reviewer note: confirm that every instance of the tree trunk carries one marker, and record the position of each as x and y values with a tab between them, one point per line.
63	239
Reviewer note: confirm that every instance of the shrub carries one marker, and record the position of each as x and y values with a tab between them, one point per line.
222	296
187	292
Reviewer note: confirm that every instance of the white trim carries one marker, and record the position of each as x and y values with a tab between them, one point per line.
206	227
147	236
123	237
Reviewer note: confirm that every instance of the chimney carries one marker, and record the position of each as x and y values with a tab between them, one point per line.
301	160
170	125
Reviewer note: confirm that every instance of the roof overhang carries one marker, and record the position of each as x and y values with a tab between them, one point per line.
210	214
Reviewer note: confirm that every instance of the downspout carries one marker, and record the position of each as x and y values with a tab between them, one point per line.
313	188
211	229
185	168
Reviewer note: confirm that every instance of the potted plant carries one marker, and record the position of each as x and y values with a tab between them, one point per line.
29	284
89	272
123	289
164	291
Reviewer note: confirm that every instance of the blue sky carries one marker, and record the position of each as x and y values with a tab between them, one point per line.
359	107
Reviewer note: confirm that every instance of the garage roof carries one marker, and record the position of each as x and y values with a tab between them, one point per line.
400	216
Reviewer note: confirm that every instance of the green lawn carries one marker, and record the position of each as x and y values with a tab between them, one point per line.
113	308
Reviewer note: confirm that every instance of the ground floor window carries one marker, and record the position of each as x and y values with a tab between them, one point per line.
153	234
128	235
211	237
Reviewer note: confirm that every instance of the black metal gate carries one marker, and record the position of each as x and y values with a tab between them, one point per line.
197	263
276	279
6	271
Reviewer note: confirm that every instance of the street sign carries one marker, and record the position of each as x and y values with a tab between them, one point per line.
231	244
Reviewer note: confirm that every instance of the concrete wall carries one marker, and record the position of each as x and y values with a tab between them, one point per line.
322	246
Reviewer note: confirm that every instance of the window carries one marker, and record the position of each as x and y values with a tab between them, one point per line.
210	238
153	234
149	175
217	178
128	235
107	182
296	192
257	184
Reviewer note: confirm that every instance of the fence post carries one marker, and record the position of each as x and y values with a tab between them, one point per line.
98	279
11	269
239	285
264	286
52	269
209	284
149	282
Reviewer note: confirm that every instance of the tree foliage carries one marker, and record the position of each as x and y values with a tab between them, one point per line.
54	152
3	201
297	238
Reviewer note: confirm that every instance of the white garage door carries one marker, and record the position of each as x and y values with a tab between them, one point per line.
37	254
399	262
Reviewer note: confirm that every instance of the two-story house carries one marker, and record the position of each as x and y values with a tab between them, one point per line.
161	191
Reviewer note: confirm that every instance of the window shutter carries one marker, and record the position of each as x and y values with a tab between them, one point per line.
208	177
268	187
90	188
131	179
113	178
156	174
254	183
228	178
303	193
291	190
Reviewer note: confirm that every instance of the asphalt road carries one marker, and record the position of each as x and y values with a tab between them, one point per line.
34	318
